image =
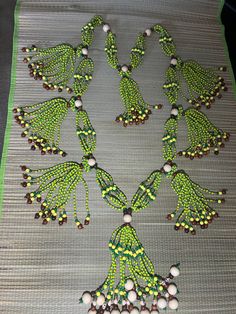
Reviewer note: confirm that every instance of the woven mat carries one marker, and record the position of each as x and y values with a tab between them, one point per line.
44	269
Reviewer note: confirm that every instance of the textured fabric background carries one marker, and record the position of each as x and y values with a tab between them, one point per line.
44	269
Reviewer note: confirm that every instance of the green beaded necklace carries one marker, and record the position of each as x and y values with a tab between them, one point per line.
131	277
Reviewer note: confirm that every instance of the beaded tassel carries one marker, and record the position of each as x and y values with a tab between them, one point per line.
202	135
200	86
146	192
54	65
170	136
136	109
42	123
56	185
131	279
203	84
111	193
193	206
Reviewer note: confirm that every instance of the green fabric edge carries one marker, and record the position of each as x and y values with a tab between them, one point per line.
10	104
229	66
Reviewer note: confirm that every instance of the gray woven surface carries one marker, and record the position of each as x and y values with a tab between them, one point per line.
44	269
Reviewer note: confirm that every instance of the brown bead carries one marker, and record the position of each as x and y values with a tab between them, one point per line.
36	216
86	222
23	168
193	232
24	184
39	199
44	222
80	226
64	154
29	201
224	191
25	60
32	147
169	217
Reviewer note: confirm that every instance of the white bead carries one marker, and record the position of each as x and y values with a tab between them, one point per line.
129	283
78	103
135	310
101	300
92	311
174	271
84	51
167	295
173	61
107	312
127	219
91	162
167	168
86	298
154	312
172	289
115	301
174	112
115	312
148	32
124	68
145	312
132	296
161	303
142	303
173	304
124	312
106	28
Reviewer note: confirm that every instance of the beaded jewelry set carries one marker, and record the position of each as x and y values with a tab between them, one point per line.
131	279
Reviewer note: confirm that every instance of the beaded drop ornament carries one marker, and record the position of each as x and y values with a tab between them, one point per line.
132	285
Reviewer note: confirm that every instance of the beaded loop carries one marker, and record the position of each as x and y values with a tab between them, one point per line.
83	76
170	136
113	196
137	52
111	50
87	32
146	192
85	132
165	40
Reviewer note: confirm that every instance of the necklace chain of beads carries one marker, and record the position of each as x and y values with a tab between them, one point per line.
131	279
